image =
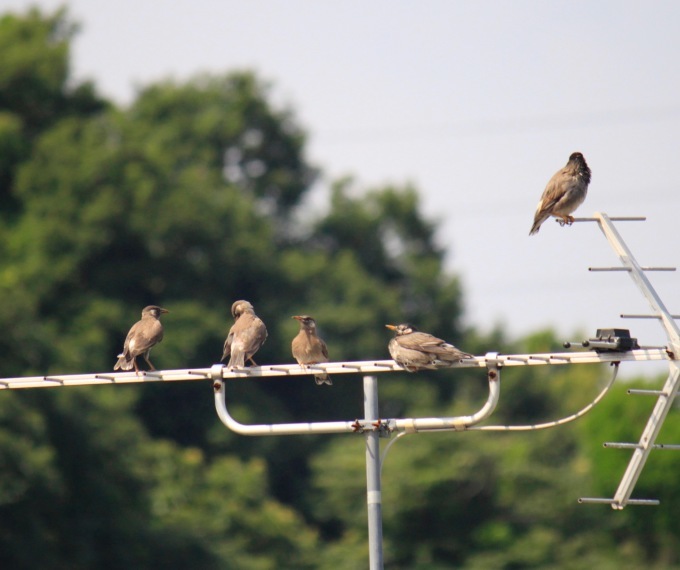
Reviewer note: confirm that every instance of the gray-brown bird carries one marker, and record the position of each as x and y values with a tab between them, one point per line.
565	192
245	337
308	348
415	350
143	336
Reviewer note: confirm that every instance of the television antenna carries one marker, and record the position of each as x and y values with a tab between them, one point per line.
607	348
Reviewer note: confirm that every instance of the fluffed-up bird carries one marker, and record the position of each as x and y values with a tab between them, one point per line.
415	350
565	192
309	348
245	337
143	336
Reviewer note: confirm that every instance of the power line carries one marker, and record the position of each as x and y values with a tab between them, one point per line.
499	126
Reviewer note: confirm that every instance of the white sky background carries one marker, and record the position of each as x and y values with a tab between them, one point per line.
475	103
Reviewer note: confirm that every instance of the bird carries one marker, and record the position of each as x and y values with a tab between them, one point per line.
143	336
308	348
245	337
565	192
415	350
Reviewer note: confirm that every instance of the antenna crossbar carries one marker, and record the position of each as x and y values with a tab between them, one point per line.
355	367
618	506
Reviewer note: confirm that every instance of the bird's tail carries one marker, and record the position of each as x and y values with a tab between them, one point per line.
123	363
323	379
537	224
449	359
237	360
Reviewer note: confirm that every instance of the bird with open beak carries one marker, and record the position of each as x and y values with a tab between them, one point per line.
245	337
308	348
143	336
415	350
565	192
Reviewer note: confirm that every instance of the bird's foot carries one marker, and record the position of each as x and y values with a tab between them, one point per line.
320	380
357	427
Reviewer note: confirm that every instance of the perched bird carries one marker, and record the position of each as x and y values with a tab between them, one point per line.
308	348
245	337
143	336
565	192
415	350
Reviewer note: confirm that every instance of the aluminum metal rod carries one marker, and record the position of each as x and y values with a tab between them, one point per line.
641	392
637	274
664	446
287	370
670	389
410	425
595	269
270	429
373	483
649	435
593	501
413	425
660	317
555	423
431	425
614	219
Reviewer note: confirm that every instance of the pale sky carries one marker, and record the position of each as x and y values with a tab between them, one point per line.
475	103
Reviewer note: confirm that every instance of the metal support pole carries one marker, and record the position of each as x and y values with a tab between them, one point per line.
373	490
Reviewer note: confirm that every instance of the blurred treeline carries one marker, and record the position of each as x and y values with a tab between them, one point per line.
195	196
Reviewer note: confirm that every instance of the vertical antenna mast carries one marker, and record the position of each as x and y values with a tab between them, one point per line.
665	398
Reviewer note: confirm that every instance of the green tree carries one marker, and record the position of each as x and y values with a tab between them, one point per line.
193	197
35	88
83	486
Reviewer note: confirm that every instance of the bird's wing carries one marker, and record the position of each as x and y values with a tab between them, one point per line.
553	193
227	344
249	334
143	335
298	346
421	341
324	349
319	349
430	344
131	335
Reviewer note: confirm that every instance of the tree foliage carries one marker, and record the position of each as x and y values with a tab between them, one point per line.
192	197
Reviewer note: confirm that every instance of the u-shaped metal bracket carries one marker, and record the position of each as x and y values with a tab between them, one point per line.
409	425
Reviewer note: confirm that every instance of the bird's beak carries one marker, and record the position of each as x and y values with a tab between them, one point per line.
163	311
391	327
297	318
